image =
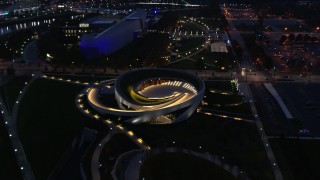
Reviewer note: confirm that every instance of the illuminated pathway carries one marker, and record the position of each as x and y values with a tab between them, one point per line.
133	167
210	112
11	125
244	88
114	128
149	94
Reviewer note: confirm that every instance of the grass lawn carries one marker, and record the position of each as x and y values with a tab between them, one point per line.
238	142
191	27
298	159
243	109
223	100
190	43
48	121
118	144
11	90
219	85
8	164
187	64
181	166
213	24
220	60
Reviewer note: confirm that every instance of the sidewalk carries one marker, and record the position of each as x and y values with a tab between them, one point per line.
244	88
11	125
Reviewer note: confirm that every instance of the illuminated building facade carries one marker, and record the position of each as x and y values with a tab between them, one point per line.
115	37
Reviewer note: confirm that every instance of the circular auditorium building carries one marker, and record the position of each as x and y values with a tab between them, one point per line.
160	96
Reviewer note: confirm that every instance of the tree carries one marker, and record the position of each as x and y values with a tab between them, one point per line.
283	39
200	63
299	38
291	37
237	48
260	21
314	39
307	38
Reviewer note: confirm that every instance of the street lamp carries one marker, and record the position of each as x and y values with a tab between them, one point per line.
274	74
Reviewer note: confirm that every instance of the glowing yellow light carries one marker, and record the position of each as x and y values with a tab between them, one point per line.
140	140
130	133
108	121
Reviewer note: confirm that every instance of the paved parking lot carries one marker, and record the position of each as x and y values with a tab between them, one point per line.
303	101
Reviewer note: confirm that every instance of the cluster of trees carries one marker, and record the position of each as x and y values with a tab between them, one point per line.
168	21
10	45
257	51
298	39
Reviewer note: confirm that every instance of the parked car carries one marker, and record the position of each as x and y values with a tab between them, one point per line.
304	132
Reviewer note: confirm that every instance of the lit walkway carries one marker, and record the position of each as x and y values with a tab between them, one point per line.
11	125
95	164
133	169
244	88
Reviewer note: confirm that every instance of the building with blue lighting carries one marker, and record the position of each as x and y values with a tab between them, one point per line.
115	37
